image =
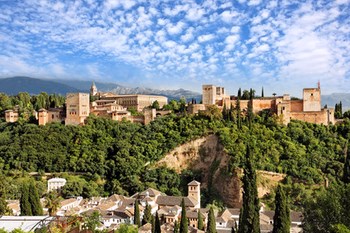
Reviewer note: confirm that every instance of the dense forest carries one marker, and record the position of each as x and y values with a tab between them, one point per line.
105	156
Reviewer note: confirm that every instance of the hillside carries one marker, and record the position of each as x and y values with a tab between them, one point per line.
14	85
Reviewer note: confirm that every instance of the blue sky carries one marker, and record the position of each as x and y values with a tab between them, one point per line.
282	45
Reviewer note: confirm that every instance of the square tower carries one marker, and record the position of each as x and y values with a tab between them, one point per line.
208	94
78	108
194	192
312	99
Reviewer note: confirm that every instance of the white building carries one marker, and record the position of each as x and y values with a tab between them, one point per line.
55	184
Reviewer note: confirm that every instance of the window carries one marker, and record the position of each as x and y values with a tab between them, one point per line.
312	94
53	116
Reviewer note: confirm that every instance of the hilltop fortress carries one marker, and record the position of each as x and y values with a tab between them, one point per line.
118	107
308	109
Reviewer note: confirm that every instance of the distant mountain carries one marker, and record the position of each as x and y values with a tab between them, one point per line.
335	98
122	90
14	85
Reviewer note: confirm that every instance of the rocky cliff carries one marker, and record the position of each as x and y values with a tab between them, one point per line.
208	156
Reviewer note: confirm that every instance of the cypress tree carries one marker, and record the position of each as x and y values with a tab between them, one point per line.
238	109
262	92
34	200
3	204
211	228
281	220
184	220
200	224
137	220
147	216
157	224
25	206
176	227
249	216
224	112
250	109
346	170
153	224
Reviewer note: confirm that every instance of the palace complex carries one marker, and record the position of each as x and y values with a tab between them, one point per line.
307	109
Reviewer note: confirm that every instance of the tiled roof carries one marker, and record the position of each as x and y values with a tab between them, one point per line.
196	183
296	216
172	200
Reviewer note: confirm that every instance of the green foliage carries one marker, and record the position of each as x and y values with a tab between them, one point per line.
339	228
92	221
52	202
176	227
327	208
184	220
281	220
34	200
25	205
157	224
211	227
249	216
125	228
346	172
200	225
147	216
155	105
137	220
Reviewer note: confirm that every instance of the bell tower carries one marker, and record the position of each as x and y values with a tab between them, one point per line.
93	89
194	192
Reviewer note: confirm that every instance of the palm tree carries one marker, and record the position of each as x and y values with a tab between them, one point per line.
52	202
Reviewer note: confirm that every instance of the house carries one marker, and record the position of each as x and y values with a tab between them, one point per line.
55	184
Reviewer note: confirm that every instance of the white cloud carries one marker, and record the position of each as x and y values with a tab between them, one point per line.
205	38
194	14
175	29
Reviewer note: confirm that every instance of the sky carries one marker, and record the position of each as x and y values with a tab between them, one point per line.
282	45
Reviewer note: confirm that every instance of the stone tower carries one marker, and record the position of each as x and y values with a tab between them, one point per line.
194	192
93	89
78	108
312	99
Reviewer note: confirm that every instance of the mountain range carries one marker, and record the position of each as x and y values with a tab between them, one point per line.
12	86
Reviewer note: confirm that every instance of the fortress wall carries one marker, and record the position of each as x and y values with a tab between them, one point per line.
319	117
296	105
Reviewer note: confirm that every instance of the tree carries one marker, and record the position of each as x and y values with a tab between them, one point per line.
249	216
25	206
238	109
34	200
211	227
157	224
52	202
184	220
176	227
137	220
281	220
200	221
346	170
125	228
92	221
147	216
262	92
156	105
250	109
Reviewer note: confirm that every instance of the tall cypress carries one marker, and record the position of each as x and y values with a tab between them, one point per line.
157	224
137	220
249	217
184	220
25	206
281	220
147	216
200	224
250	109
211	228
238	109
346	170
262	92
34	200
176	227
